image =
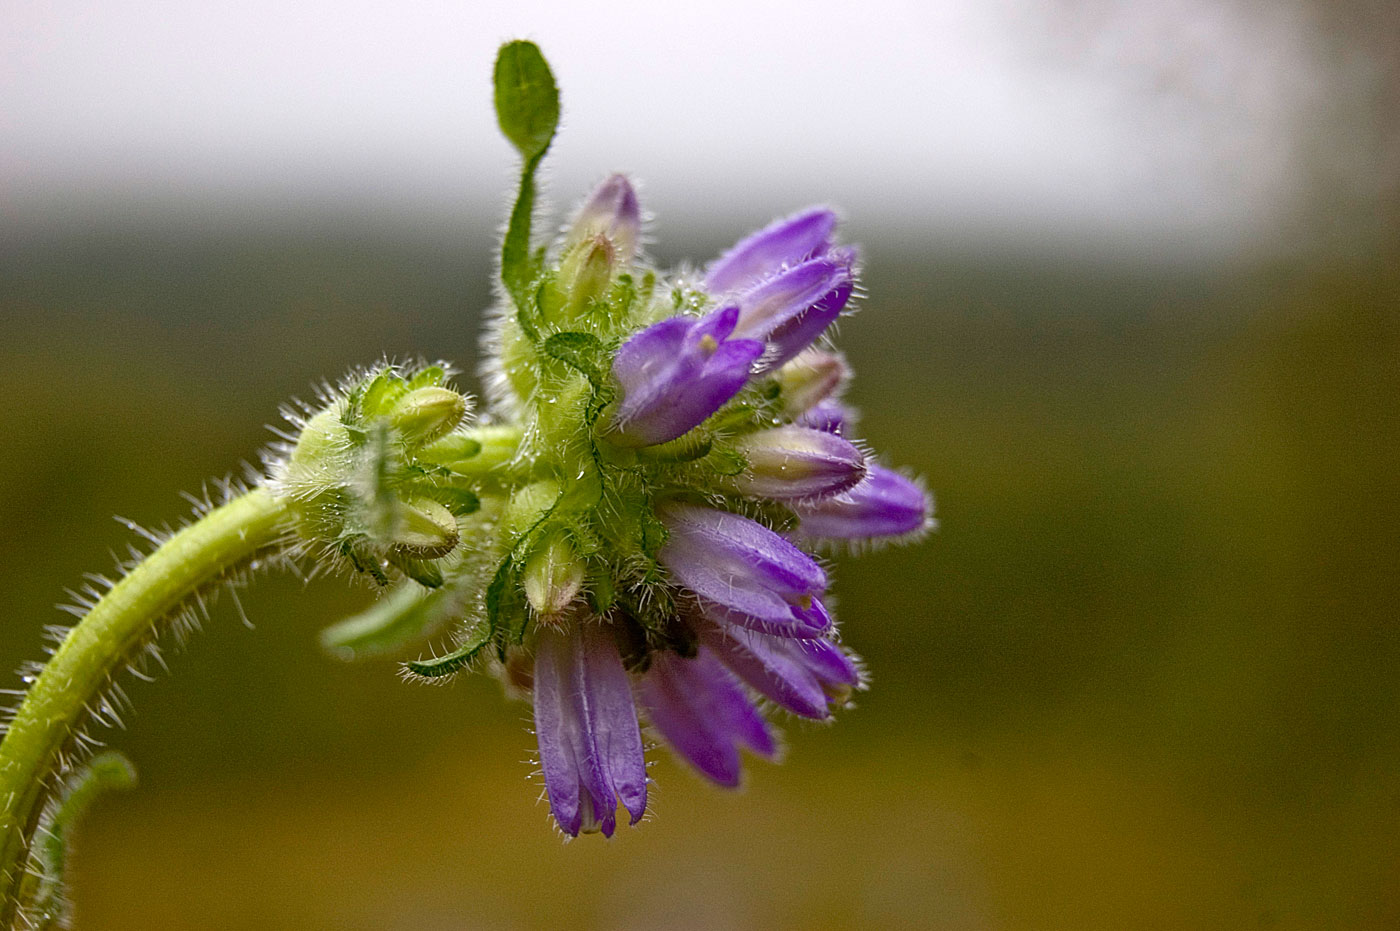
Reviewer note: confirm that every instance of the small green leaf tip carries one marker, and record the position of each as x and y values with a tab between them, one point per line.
46	903
527	100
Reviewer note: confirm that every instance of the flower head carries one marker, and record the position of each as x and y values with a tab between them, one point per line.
624	532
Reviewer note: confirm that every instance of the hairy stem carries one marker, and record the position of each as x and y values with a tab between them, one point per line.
98	646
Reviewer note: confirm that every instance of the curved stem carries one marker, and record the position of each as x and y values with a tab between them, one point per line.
98	645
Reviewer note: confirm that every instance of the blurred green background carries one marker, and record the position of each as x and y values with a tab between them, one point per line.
1146	674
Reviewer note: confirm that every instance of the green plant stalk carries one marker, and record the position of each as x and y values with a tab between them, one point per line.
96	648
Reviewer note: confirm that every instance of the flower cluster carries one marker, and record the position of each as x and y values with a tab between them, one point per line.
626	535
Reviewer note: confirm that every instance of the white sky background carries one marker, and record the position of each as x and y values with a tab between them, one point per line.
1160	123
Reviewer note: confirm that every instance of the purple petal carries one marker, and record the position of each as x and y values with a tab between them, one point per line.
780	244
771	666
775	305
703	714
813	376
828	662
613	719
676	373
829	416
611	211
764	613
556	729
737	551
799	332
885	504
586	723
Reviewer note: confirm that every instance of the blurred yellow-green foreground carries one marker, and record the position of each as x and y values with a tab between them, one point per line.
1146	675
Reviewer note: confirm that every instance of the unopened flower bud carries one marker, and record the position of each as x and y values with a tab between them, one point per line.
425	529
586	274
425	414
886	504
797	462
611	212
810	378
553	575
451	450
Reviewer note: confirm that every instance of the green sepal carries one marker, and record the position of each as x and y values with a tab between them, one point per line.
467	651
584	352
686	448
460	501
457	447
427	377
402	617
726	461
425	572
380	394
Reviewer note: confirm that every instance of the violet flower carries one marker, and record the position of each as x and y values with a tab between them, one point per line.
676	373
703	713
802	676
789	282
885	504
612	212
781	244
743	574
586	724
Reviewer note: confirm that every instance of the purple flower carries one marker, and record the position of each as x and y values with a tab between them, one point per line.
793	462
788	281
676	373
771	249
804	676
703	713
885	504
829	416
586	723
742	573
793	308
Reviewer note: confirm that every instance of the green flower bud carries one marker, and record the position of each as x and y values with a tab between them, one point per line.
425	529
553	575
425	414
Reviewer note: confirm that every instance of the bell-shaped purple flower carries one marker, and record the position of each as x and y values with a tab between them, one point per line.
793	462
676	373
703	713
804	676
772	249
743	574
586	723
789	283
885	504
